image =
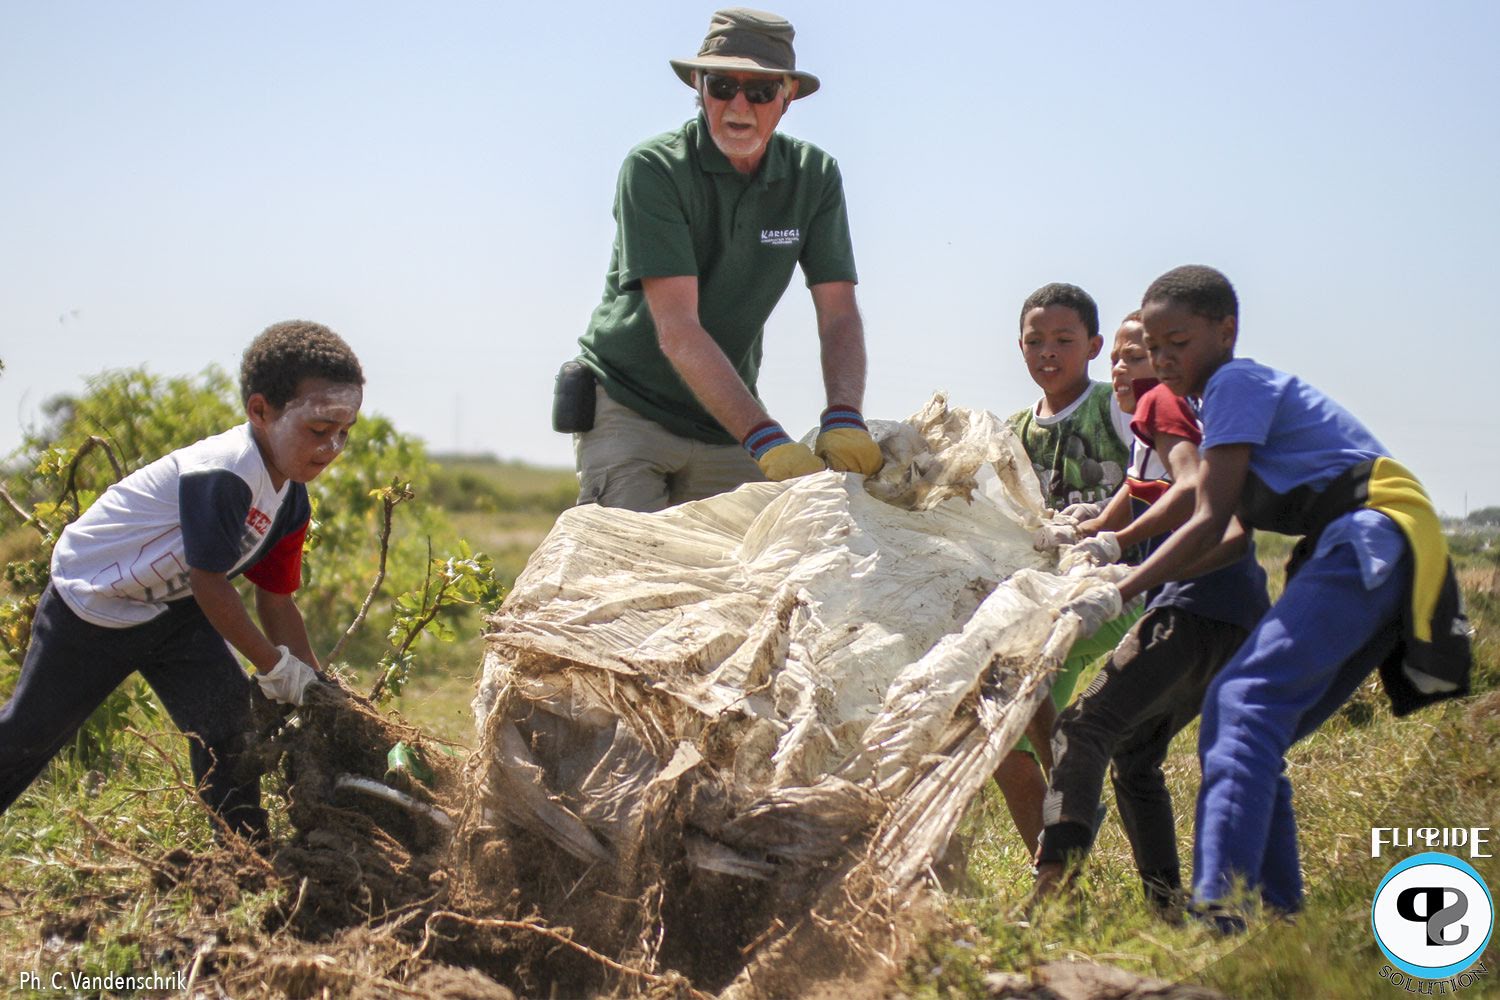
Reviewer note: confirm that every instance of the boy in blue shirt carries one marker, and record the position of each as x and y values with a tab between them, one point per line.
1369	585
142	580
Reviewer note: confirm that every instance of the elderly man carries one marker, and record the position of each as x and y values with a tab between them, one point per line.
711	219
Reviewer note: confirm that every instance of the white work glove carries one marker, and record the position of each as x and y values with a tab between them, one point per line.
288	680
1081	512
1058	529
1109	573
1095	606
1053	535
1097	551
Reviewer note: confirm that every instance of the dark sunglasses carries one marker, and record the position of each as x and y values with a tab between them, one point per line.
758	91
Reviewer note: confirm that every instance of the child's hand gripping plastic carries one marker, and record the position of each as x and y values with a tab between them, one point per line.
1096	605
1058	530
1103	548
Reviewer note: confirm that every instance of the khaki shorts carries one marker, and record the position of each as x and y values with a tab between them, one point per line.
631	462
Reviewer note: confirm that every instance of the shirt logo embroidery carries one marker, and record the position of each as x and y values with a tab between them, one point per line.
780	237
257	521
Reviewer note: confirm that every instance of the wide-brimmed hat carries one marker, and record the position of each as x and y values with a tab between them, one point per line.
748	40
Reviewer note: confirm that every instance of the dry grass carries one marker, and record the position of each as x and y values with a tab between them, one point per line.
121	874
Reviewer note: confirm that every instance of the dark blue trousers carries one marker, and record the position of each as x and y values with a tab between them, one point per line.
1319	642
72	665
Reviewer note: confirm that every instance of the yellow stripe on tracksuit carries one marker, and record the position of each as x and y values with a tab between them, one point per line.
1395	492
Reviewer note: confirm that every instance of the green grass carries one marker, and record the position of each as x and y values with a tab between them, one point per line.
1436	770
1364	768
483	483
96	876
82	886
438	702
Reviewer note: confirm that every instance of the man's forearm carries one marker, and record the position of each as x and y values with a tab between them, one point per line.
225	611
697	359
842	342
713	380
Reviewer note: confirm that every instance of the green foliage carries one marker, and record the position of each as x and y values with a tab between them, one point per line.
1485	517
343	550
464	581
462	484
1480	544
142	416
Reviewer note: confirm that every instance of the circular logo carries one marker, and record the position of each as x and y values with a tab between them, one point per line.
1432	915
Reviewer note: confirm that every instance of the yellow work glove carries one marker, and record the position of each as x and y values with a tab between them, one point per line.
788	461
844	442
779	457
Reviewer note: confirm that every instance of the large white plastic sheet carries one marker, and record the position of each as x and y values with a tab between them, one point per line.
824	655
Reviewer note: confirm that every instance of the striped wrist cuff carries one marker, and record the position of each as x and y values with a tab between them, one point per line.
836	417
763	437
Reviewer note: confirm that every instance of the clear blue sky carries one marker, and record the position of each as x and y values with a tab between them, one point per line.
434	181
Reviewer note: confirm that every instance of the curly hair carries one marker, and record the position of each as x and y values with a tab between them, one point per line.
1202	290
1060	293
286	353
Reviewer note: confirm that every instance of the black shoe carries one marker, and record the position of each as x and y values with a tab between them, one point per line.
1222	920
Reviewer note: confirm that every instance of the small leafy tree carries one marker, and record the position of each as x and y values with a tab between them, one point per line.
463	581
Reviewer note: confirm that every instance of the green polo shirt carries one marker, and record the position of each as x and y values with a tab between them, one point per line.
680	209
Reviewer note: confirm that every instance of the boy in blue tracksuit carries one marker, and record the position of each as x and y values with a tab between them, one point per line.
1370	584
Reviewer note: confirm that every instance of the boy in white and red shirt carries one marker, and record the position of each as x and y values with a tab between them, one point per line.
142	580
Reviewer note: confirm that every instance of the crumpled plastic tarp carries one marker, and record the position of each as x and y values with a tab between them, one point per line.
786	666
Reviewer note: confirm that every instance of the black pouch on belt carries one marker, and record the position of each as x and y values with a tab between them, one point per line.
573	399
